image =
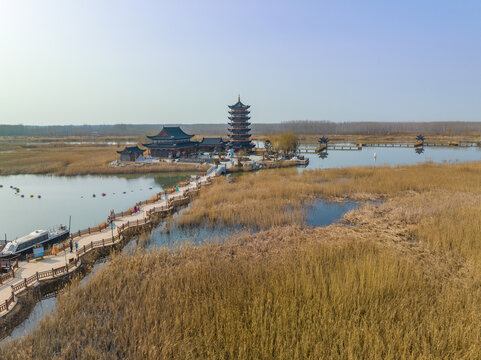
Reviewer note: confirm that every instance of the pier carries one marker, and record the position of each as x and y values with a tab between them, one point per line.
28	273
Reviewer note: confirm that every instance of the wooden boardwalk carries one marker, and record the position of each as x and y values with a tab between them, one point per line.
28	273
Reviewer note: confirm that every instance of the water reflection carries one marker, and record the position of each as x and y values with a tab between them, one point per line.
323	213
62	196
390	156
322	154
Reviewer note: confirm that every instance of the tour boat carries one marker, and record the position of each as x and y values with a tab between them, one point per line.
24	245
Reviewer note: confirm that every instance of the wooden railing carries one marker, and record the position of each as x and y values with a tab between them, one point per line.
108	241
173	200
13	264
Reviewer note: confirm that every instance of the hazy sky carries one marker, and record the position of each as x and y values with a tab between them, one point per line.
100	61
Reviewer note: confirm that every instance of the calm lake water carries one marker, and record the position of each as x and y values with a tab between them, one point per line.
62	197
391	156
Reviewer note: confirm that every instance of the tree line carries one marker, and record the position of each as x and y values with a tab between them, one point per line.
297	127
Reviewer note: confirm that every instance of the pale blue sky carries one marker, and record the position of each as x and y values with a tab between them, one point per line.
99	61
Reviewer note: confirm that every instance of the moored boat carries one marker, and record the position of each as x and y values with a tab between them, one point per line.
25	245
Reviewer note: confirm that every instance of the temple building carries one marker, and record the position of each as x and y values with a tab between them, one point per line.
131	153
239	130
216	144
171	142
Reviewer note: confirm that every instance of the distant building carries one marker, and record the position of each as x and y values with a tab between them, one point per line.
216	144
171	142
239	130
131	153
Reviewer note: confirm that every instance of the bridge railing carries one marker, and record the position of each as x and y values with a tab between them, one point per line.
108	241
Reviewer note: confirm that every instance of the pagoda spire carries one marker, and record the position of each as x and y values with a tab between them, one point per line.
239	127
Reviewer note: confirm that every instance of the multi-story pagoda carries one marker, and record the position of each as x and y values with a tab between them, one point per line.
171	142
239	130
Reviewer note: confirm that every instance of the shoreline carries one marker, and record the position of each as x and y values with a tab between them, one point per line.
29	296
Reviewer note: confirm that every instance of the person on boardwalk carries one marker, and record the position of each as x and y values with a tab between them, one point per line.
76	246
71	245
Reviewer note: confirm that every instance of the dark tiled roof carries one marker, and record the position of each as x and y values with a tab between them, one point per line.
131	149
239	105
212	141
171	132
181	145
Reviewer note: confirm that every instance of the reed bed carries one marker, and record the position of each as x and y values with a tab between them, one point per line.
272	198
62	159
286	293
400	281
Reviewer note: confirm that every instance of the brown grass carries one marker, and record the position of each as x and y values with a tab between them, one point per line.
62	159
401	281
260	200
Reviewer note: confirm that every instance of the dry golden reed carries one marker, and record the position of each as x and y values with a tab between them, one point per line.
277	197
63	159
401	281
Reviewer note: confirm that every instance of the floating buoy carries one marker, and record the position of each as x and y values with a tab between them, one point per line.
1	186
150	188
39	197
22	195
82	197
31	196
125	192
103	194
93	195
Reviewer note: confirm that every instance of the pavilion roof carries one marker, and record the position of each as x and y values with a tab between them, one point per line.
131	149
211	141
171	132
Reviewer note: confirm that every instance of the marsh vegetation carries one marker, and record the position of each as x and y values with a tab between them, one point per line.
400	281
75	159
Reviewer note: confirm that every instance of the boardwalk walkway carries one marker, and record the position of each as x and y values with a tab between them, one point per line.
29	273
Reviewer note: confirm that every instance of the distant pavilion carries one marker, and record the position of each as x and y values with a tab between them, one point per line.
239	130
131	153
214	144
171	142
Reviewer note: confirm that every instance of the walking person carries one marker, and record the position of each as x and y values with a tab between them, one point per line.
76	246
71	245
